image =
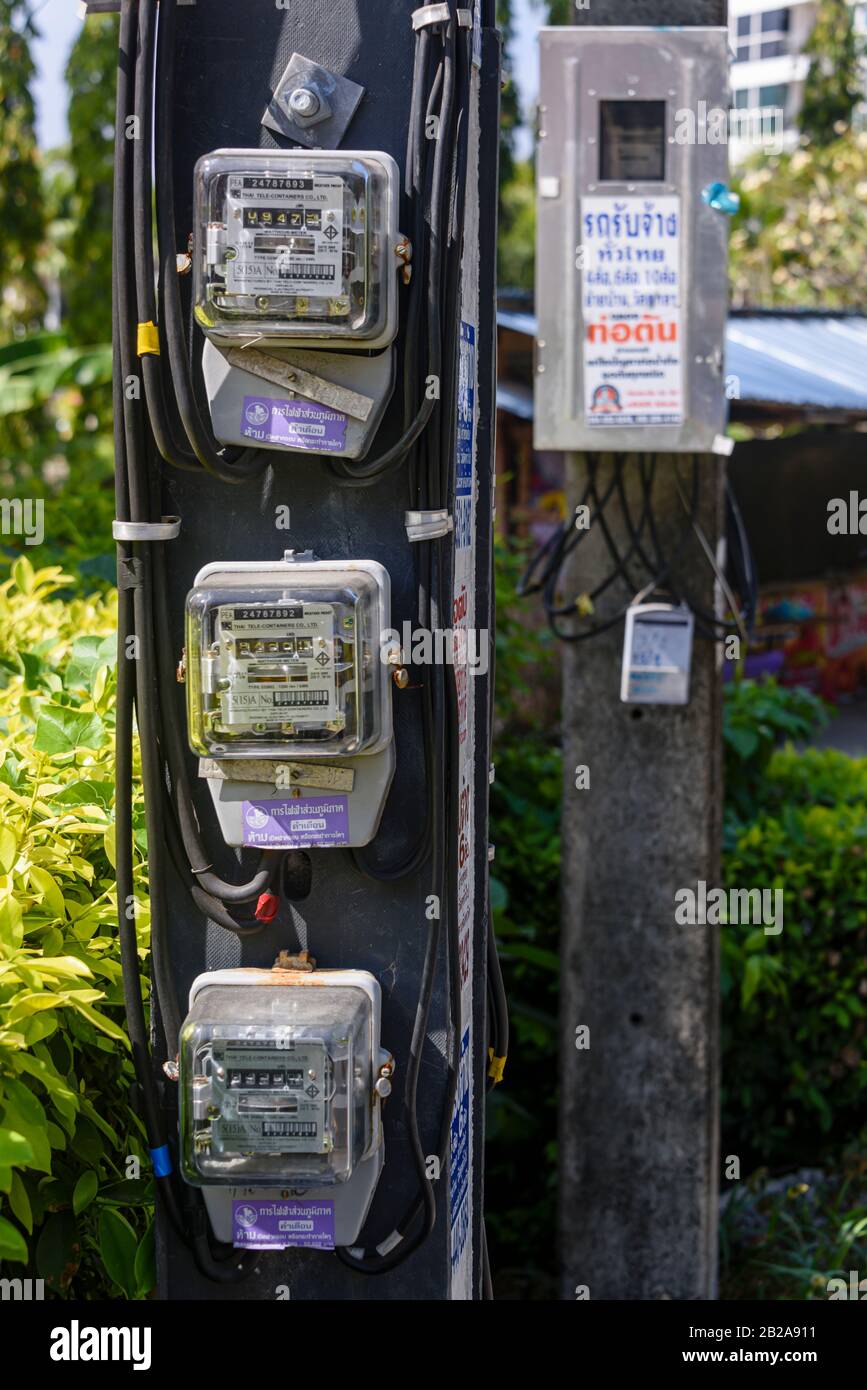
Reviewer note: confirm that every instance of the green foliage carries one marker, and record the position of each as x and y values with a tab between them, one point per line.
794	1004
71	1213
53	449
524	648
785	1241
517	229
834	83
510	111
525	826
22	218
800	237
34	369
90	76
757	716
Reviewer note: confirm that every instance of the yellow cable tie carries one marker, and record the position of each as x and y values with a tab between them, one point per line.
148	339
496	1067
584	605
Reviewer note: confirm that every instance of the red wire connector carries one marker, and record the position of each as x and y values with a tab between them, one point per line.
267	907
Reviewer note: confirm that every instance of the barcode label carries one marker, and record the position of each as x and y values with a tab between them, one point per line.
301	697
289	1129
297	270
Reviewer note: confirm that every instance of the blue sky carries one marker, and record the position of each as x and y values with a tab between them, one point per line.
59	24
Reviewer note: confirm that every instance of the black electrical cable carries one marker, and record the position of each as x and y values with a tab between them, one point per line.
497	987
134	486
487	1282
364	473
545	567
145	282
228	466
149	1100
419	1219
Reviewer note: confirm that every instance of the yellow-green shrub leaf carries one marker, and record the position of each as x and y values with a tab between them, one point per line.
101	1022
46	887
15	1150
11	922
8	849
62	729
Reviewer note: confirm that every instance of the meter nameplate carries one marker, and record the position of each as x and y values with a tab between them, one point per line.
285	236
277	664
630	295
270	1099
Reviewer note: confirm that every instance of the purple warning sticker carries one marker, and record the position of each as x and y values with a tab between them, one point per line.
297	824
275	1225
298	424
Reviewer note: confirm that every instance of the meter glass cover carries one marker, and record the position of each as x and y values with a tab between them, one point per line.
296	245
632	141
288	665
276	1084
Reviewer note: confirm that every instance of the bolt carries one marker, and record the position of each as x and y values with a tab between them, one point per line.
304	103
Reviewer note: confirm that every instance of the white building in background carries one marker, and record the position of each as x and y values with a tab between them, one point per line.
769	68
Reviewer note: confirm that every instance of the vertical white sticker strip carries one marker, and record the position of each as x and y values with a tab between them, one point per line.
466	645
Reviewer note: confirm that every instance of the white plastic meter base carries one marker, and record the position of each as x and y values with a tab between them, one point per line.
281	1125
289	699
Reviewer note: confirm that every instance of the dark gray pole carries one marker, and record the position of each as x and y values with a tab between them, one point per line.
227	64
639	1161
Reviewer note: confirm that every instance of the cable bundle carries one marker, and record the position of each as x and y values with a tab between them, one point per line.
170	424
646	556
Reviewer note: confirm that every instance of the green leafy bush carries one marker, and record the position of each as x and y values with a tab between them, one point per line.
784	1240
75	1206
757	715
794	1004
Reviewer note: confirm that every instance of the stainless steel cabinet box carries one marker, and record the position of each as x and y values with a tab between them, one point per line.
631	282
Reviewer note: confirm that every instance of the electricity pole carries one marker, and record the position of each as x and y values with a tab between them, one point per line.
638	1143
226	68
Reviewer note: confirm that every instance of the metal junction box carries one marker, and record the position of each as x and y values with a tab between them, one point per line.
631	275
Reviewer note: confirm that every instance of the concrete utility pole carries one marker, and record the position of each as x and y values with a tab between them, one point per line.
639	1160
227	67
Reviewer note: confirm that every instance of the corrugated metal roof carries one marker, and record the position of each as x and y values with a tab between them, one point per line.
800	360
811	361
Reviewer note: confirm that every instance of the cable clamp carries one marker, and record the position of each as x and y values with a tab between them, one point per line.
166	530
162	1161
428	525
496	1067
129	574
430	15
147	339
465	19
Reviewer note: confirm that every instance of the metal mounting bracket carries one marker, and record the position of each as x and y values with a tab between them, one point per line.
311	105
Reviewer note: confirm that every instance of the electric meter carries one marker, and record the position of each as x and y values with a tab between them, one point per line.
286	656
282	1078
277	1072
297	247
